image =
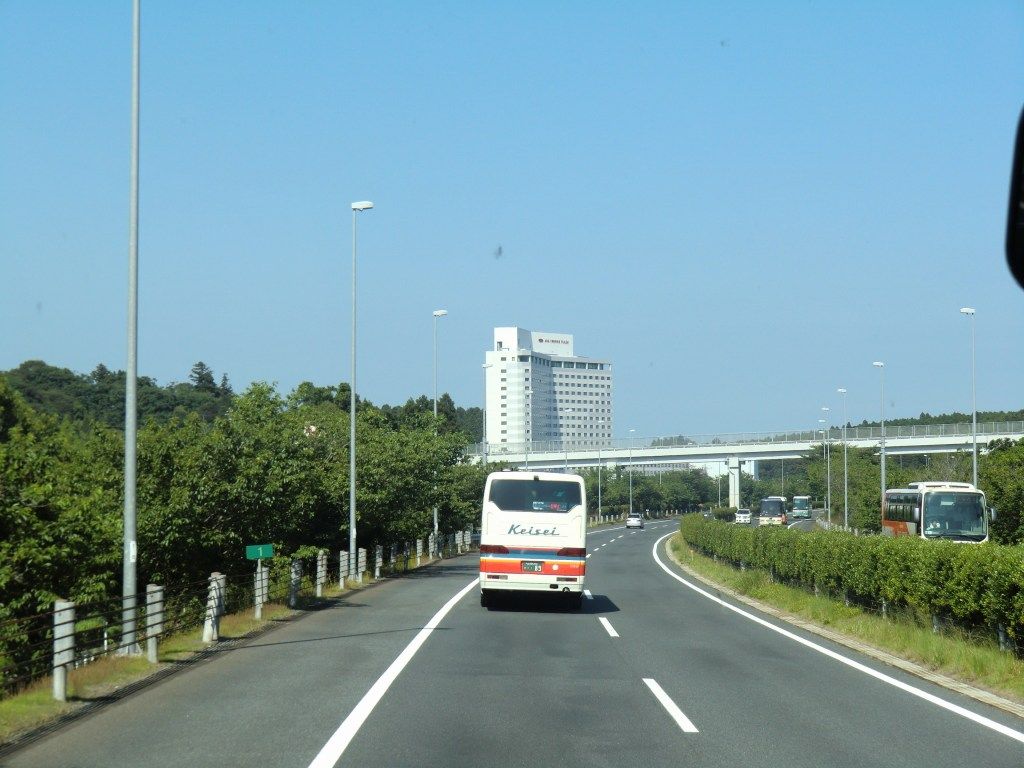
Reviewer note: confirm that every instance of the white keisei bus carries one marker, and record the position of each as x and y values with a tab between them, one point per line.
533	535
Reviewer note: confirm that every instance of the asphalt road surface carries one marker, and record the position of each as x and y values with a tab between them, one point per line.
652	672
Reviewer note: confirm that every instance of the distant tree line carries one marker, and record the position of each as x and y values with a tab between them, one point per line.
99	396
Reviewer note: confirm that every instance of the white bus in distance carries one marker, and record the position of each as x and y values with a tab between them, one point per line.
936	510
801	508
533	535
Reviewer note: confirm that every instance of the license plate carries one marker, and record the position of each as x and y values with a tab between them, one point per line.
532	567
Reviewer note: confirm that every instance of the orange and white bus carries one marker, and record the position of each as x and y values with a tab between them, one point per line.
936	510
533	535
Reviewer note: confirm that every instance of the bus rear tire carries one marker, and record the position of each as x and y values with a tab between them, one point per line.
575	601
485	599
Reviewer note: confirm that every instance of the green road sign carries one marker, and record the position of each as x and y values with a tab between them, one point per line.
259	551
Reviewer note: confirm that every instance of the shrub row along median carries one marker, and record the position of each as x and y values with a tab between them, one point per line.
972	585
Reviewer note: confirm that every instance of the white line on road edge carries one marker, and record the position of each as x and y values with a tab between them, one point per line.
670	706
336	745
913	690
586	594
608	626
589	554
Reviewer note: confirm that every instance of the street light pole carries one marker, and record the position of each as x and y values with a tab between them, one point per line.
437	313
824	460
846	478
881	369
969	311
631	470
828	459
129	551
363	205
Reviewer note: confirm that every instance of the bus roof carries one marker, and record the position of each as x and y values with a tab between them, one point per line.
529	475
940	484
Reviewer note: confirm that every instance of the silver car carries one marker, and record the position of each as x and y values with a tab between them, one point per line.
635	520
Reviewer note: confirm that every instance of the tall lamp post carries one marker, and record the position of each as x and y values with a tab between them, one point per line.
631	470
969	311
437	313
846	479
131	413
828	458
824	460
363	205
881	369
485	366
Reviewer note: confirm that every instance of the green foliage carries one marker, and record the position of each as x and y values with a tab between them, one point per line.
99	396
973	585
1001	476
672	490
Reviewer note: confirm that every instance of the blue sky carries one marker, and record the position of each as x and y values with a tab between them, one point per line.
741	206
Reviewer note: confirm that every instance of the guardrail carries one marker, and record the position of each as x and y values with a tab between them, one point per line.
892	432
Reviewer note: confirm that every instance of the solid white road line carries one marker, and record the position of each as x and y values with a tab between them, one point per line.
608	626
336	745
586	594
913	690
670	706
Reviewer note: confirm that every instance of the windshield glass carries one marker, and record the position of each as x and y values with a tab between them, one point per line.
772	507
535	495
801	505
954	515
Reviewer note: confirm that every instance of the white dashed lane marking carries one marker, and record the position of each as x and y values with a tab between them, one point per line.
608	626
670	706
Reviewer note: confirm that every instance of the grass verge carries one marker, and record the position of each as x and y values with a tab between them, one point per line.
970	660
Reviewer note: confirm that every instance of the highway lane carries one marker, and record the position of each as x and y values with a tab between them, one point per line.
753	692
528	683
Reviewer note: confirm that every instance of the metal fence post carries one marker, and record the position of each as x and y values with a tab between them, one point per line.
259	590
211	623
378	556
321	572
294	583
154	619
63	646
342	568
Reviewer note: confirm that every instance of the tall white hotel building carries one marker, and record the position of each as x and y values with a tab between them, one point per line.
538	390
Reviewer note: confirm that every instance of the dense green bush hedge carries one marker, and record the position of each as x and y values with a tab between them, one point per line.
972	585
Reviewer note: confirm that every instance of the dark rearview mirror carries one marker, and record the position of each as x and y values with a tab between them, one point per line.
917	514
991	513
1015	217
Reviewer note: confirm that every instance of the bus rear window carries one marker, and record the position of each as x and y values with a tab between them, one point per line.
535	495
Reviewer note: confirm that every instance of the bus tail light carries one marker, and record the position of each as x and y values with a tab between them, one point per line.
493	549
572	552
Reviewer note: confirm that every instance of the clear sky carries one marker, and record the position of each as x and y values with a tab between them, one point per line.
741	204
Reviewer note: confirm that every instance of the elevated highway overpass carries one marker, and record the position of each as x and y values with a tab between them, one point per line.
733	450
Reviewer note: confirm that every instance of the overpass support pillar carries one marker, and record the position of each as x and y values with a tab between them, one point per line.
734	481
754	466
